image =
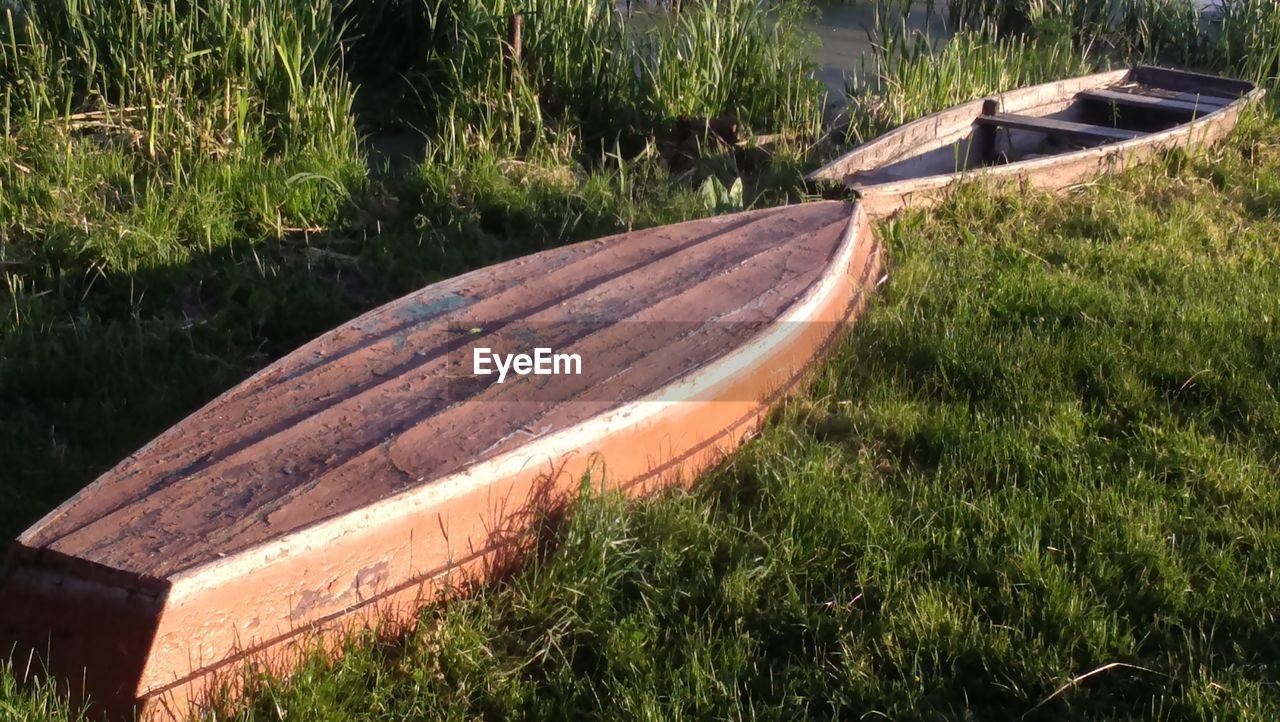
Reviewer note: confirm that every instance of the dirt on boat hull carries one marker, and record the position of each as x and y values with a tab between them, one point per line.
159	628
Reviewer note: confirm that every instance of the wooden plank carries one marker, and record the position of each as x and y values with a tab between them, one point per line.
1218	101
1150	102
1053	126
1186	81
986	135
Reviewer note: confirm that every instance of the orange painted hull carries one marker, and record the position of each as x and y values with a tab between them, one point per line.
169	642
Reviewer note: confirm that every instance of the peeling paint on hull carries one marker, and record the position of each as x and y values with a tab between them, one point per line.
355	480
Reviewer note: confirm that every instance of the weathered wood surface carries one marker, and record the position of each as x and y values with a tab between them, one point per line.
1147	101
1052	126
918	164
346	483
1194	98
1186	81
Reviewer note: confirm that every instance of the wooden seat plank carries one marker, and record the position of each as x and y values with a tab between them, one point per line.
1054	126
1187	97
1152	102
1188	82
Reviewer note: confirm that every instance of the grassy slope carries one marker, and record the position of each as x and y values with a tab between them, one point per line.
1048	449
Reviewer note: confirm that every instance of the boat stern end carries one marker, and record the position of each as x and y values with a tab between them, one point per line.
87	626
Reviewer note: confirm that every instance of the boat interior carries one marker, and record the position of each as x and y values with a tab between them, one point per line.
1025	125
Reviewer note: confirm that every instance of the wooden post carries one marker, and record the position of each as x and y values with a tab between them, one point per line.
515	26
986	134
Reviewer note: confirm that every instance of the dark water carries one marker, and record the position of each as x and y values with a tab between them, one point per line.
842	28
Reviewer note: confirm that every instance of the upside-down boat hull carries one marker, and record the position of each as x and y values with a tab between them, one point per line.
353	481
1049	136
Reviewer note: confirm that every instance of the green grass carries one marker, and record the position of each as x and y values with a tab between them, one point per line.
1049	448
35	700
586	71
911	76
1046	450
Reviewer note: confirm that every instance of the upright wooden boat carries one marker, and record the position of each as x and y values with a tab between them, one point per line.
1050	136
345	483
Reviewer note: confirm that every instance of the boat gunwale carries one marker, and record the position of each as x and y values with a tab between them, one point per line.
870	192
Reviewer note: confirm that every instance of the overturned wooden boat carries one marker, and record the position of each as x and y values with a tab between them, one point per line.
1049	136
356	478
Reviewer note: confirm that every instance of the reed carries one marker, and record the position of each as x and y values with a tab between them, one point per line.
1002	44
144	134
183	70
588	71
1237	37
733	57
911	74
1248	40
